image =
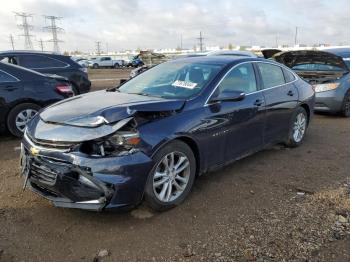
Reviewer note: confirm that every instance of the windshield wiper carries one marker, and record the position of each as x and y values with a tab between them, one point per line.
113	89
144	94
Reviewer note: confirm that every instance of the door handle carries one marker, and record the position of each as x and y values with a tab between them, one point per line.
258	102
290	93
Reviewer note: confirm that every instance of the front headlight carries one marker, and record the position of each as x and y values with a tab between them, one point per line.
325	87
125	139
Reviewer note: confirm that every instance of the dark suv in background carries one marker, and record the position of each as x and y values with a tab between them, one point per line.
51	63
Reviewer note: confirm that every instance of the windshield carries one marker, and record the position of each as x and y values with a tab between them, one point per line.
317	67
172	80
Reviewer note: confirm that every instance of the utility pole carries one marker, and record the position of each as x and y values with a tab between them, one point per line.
296	36
26	29
181	42
98	47
41	42
54	29
12	42
201	41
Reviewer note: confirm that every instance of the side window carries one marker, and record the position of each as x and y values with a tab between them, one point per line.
272	75
288	75
4	77
40	61
107	59
241	78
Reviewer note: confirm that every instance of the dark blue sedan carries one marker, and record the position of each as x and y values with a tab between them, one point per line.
150	137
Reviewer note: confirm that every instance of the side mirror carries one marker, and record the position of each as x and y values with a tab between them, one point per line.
229	96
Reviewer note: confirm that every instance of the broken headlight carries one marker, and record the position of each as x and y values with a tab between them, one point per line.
120	143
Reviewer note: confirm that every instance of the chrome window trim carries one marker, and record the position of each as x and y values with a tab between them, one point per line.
50	67
17	80
264	62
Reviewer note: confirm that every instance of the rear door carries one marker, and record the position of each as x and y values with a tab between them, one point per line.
10	91
281	98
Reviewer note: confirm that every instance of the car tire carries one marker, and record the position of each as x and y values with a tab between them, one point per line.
95	66
20	112
116	66
180	183
298	127
346	105
75	89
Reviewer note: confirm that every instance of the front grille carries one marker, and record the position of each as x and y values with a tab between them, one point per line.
49	145
42	173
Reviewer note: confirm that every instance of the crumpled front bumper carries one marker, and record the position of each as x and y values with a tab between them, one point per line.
74	180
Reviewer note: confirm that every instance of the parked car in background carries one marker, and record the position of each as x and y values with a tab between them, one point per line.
105	62
51	63
327	71
150	138
135	61
23	92
82	61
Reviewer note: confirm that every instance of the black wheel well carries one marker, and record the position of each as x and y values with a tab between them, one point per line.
307	109
194	147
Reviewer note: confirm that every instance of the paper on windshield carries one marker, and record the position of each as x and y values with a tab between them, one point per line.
184	84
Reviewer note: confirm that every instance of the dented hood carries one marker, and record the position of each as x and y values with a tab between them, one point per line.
293	58
109	106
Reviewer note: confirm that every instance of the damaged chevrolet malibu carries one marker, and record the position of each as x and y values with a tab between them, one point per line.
149	138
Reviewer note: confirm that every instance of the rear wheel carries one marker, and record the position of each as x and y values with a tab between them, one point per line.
171	179
19	116
116	65
95	66
346	105
297	128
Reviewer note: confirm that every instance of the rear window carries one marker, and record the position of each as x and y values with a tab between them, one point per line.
272	75
40	61
288	76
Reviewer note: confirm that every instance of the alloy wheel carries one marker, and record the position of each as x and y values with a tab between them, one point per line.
299	127
171	177
24	117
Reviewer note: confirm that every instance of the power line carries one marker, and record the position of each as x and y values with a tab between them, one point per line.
98	48
201	41
12	42
26	29
54	29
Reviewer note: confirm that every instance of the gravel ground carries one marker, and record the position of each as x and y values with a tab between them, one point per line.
277	205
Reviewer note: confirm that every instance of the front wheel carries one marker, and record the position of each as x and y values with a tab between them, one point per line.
171	179
95	66
116	66
346	105
297	128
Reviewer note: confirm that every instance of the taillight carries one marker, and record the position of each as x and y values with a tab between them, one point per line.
65	89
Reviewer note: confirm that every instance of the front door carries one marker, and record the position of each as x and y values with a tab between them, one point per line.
240	123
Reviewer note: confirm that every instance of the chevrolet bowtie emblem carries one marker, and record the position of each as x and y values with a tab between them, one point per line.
34	151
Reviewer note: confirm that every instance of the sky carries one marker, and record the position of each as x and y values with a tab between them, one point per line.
132	24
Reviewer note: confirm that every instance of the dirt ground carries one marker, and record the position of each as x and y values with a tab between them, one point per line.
277	205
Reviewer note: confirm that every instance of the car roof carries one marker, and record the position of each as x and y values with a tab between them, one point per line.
14	52
341	51
219	60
